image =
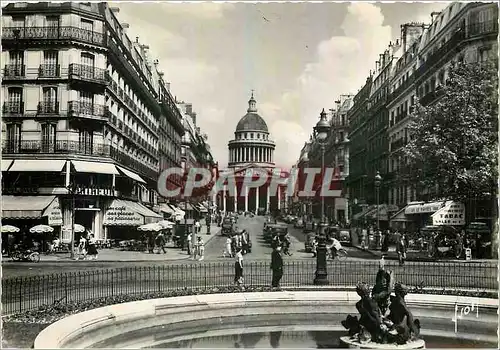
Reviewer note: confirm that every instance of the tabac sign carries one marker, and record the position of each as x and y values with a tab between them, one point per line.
453	214
53	213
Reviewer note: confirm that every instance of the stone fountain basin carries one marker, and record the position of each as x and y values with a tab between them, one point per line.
141	323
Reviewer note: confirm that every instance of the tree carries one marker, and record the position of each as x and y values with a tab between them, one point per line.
453	148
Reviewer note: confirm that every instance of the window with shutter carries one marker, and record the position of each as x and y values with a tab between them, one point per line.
86	139
50	67
13	136
15	101
49	104
48	138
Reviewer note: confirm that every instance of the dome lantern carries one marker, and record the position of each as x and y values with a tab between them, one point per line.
252	105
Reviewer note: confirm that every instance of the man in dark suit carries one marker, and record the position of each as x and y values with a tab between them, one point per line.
277	266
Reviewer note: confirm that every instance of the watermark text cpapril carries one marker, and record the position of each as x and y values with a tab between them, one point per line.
303	182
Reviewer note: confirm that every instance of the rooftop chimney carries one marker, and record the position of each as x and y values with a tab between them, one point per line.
434	15
114	9
137	39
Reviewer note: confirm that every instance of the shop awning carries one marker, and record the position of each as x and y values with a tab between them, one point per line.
202	208
127	213
187	207
381	214
95	167
423	208
25	207
131	175
167	209
38	165
363	213
6	164
400	216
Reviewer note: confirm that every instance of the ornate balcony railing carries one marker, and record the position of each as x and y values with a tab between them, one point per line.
76	147
83	108
11	107
54	33
87	73
49	71
406	84
48	107
397	144
14	71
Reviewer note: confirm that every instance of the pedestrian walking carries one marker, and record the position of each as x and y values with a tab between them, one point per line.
151	243
92	248
197	226
82	248
401	249
244	242
276	267
228	251
238	268
189	243
160	242
200	245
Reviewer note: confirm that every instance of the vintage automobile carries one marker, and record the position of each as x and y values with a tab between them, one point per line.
308	243
443	241
344	237
272	230
299	223
308	227
278	233
227	226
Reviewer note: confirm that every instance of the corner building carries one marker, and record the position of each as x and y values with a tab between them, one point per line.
84	113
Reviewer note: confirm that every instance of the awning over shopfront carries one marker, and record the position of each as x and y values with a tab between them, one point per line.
25	207
452	214
95	167
400	216
131	175
167	209
360	215
54	213
381	214
6	163
202	208
188	207
423	208
127	213
38	165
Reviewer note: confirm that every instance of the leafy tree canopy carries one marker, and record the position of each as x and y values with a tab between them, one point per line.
454	142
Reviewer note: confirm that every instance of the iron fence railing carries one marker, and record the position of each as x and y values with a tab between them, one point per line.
27	293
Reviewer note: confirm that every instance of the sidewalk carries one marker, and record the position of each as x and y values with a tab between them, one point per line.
117	255
411	255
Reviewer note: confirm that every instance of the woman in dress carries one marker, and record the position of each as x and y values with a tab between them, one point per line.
201	248
92	249
238	267
82	247
229	250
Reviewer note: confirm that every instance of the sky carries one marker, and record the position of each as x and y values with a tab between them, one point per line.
298	57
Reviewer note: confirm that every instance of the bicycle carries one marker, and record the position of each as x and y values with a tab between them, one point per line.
27	255
341	255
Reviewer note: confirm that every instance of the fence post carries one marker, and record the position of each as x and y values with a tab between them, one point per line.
20	294
66	288
159	282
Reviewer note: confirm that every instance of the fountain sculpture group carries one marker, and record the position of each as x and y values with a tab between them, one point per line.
384	317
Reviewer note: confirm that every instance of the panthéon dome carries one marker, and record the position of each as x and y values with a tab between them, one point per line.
252	121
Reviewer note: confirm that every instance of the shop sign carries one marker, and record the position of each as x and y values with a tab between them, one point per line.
424	208
122	215
451	215
54	213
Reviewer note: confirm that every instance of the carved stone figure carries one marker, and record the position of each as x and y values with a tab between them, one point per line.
382	288
404	327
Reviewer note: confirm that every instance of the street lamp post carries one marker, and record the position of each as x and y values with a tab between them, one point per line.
72	189
321	132
378	181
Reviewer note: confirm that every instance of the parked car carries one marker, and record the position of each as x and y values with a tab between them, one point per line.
344	237
308	226
299	223
227	226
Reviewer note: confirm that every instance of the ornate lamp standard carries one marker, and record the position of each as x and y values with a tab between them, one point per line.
378	181
321	133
